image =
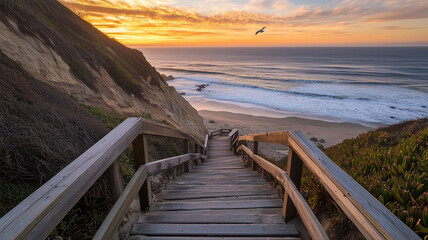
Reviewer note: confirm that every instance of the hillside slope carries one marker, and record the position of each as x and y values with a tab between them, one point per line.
41	131
57	47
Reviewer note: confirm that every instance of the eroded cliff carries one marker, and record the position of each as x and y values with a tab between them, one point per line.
57	47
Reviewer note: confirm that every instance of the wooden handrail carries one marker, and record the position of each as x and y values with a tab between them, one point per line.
206	141
157	166
370	216
308	217
37	215
219	132
158	129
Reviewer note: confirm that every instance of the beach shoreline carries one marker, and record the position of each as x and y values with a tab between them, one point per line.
326	133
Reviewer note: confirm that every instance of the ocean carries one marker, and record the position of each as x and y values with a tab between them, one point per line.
366	85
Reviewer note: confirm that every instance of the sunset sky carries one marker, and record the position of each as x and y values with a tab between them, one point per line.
234	22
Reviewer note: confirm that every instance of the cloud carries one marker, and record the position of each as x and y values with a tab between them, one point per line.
348	11
160	18
397	28
411	12
184	33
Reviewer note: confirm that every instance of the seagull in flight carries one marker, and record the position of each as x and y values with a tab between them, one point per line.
260	31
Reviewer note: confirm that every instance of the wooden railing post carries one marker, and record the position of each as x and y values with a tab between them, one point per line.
255	151
294	170
201	151
196	162
115	180
256	147
185	151
141	157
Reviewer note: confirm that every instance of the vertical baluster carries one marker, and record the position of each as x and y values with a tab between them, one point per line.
294	170
115	180
255	151
202	151
185	151
196	150
141	157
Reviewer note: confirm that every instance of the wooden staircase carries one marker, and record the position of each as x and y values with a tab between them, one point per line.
219	199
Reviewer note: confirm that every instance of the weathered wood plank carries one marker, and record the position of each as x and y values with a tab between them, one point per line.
217	188
174	195
141	156
218	145
206	142
115	180
196	150
186	146
294	170
218	161
272	230
225	181
157	166
140	237
228	199
233	132
45	208
219	168
227	168
174	206
243	211
217	154
253	180
212	219
158	129
222	175
268	137
223	143
116	214
230	167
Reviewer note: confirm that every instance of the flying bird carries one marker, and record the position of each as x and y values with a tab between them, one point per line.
260	31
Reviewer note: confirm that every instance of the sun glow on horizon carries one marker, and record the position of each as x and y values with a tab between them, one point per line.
233	23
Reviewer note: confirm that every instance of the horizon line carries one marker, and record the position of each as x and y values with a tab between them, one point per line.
258	46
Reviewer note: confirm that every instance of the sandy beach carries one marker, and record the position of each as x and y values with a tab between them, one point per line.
327	133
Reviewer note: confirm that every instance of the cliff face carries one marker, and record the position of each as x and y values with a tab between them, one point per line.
57	47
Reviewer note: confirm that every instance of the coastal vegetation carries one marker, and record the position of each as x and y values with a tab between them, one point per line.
97	202
391	163
87	215
41	131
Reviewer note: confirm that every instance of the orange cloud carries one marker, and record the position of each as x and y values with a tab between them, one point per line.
350	21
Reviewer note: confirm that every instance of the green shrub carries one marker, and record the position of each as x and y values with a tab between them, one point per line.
109	120
392	164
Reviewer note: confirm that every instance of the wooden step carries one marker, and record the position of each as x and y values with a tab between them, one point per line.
211	218
175	206
217	188
215	198
173	194
139	237
220	230
243	211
